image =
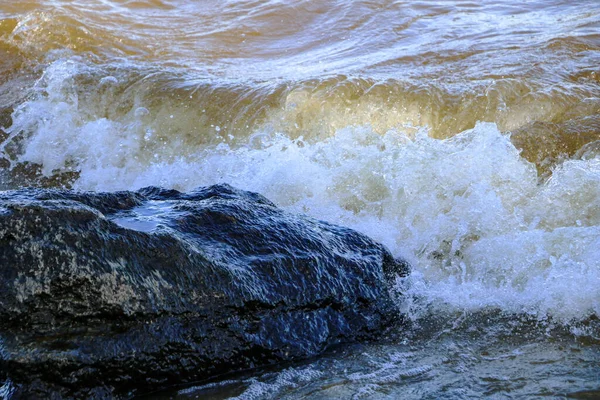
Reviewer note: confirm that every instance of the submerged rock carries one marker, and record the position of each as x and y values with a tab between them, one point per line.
114	294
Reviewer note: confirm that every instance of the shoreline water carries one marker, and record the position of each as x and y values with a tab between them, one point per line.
459	357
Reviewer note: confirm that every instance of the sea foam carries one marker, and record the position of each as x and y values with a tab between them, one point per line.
471	215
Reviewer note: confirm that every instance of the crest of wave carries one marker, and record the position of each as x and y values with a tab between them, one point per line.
468	211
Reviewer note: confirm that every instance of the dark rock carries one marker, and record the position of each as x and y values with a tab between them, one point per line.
115	294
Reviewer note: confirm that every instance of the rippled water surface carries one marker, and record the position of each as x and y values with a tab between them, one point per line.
481	355
463	135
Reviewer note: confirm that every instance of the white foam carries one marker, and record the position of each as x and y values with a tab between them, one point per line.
467	212
286	379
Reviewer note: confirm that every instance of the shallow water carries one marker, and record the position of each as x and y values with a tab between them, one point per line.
465	136
481	355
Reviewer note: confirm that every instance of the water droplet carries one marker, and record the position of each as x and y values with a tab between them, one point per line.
141	111
148	134
109	80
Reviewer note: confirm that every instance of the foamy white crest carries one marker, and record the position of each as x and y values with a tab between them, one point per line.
286	379
58	135
467	212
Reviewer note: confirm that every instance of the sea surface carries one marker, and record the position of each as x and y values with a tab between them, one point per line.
464	135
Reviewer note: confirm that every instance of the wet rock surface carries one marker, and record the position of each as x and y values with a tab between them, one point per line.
114	294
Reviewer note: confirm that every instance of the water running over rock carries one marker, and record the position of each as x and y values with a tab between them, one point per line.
223	281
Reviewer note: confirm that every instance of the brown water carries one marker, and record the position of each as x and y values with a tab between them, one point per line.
463	135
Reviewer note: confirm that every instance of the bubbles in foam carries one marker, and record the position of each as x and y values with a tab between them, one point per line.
468	211
286	379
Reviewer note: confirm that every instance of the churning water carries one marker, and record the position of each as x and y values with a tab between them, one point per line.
465	136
